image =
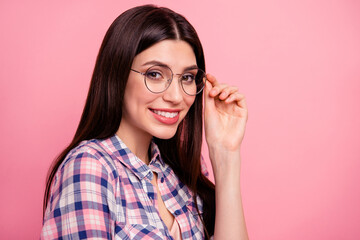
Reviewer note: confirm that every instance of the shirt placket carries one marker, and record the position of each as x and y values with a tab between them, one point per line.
153	203
162	185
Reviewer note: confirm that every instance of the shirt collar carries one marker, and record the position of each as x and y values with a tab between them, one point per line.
155	154
118	149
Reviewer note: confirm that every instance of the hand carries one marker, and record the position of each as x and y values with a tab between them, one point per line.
225	115
225	119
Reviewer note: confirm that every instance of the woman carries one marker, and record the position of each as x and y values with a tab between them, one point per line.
134	168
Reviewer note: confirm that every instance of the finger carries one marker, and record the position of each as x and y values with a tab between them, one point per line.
212	79
238	102
222	88
241	101
234	97
227	91
223	91
237	98
216	86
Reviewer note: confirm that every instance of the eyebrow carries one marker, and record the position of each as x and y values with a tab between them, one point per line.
155	62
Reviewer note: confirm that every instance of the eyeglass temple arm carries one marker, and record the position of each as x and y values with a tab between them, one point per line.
137	71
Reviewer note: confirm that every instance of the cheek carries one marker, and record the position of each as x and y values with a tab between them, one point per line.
136	95
136	102
189	101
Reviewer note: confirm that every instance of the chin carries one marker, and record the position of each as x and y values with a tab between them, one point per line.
165	133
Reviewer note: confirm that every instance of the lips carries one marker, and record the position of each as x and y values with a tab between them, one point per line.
166	116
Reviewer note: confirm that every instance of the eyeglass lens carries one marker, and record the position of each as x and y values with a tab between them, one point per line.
158	79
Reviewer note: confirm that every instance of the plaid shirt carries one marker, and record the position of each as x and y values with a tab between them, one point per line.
102	190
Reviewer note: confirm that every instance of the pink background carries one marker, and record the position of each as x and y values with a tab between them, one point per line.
298	63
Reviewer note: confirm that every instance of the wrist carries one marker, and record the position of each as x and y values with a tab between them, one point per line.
226	164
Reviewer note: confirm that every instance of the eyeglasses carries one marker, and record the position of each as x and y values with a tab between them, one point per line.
159	77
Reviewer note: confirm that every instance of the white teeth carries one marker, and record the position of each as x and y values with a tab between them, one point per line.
166	114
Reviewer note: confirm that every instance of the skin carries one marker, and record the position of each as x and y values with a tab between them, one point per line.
224	109
138	124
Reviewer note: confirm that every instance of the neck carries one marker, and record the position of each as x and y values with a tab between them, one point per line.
137	141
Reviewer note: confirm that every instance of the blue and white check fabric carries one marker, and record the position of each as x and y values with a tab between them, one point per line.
103	191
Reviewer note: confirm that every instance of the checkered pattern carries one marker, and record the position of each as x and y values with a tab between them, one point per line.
103	191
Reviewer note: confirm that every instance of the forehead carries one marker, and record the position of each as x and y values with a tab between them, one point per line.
174	53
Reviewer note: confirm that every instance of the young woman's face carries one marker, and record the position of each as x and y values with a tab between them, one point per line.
150	114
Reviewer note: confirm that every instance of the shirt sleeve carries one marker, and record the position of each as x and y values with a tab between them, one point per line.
81	201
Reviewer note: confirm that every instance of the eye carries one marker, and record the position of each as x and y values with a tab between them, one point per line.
154	75
188	77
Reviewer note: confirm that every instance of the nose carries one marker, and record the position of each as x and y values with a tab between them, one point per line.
174	93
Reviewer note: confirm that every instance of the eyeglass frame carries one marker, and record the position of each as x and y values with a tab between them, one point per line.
172	77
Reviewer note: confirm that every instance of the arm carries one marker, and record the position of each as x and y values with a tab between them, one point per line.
226	111
80	202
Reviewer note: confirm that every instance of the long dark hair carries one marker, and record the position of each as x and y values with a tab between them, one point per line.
131	33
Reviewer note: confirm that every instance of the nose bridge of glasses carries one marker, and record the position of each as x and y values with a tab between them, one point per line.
170	80
171	75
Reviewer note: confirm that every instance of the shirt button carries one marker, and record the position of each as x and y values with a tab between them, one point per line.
177	212
162	180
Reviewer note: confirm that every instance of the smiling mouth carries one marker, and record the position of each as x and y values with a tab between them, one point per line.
165	114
